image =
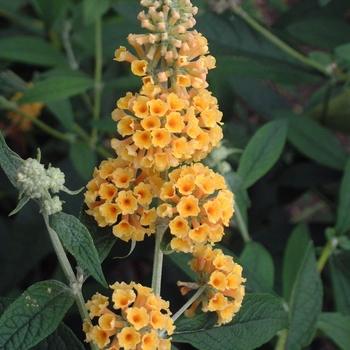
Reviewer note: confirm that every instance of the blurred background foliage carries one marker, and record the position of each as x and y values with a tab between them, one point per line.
276	59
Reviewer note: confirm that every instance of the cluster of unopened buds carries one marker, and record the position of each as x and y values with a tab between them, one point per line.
165	130
38	183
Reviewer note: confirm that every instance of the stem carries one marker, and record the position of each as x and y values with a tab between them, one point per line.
279	43
161	226
282	339
48	129
326	253
73	64
326	103
241	224
158	256
69	273
98	78
188	303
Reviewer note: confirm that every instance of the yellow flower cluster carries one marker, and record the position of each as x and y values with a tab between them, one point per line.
223	280
172	120
120	191
198	203
161	130
184	52
140	316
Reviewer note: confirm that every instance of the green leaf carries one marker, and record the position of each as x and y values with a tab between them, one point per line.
242	202
295	251
315	141
4	304
61	339
342	53
56	88
63	111
9	161
84	159
236	185
259	319
34	315
343	217
258	268
337	117
181	260
262	151
77	240
93	9
259	96
323	31
324	2
241	51
102	236
340	275
203	321
337	327
31	50
49	11
305	302
247	67
23	201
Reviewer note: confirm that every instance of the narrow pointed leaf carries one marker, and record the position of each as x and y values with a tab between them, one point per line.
258	268
84	159
77	240
343	217
9	161
340	275
315	142
34	315
262	152
93	9
260	318
337	327
61	339
305	303
295	251
56	88
102	236
20	205
32	50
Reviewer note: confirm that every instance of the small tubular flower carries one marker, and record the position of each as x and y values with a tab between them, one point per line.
223	280
135	322
120	195
162	130
198	204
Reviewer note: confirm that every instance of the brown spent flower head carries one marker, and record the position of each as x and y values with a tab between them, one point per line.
120	195
32	109
161	130
223	279
183	51
198	204
135	324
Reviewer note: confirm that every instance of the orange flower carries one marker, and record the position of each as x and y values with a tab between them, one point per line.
139	67
200	198
136	322
223	280
163	129
32	109
120	196
128	338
